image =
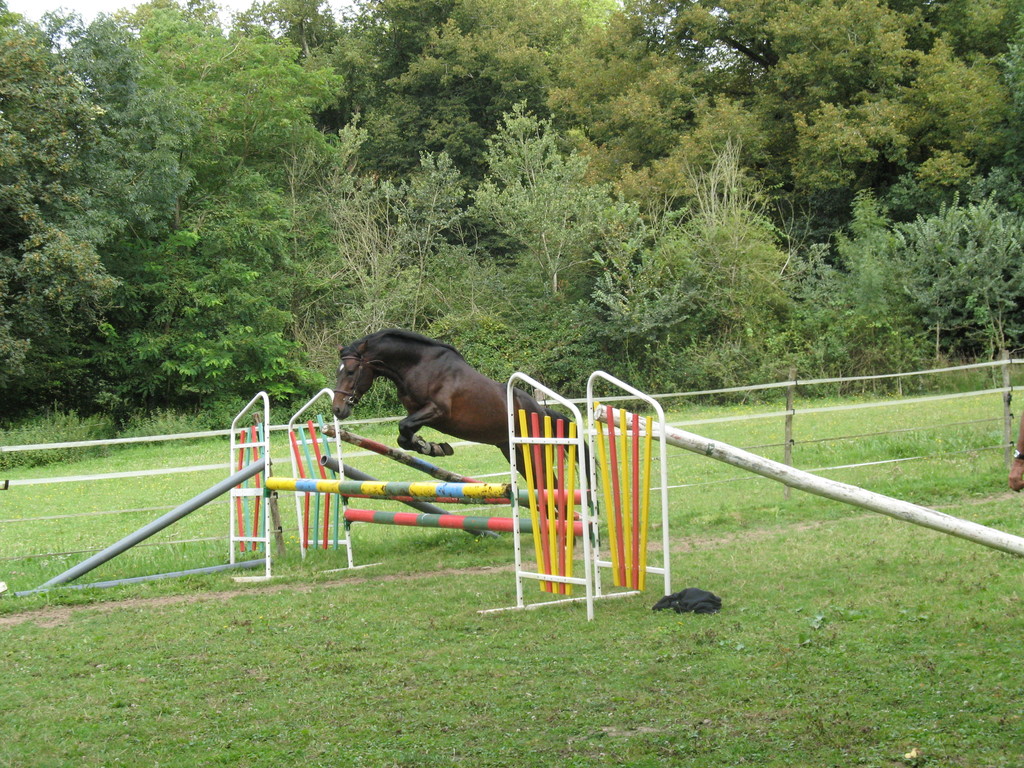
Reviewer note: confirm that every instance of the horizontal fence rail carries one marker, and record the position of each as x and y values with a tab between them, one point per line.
161	438
663	396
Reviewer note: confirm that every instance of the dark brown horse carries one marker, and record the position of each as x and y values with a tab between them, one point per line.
438	388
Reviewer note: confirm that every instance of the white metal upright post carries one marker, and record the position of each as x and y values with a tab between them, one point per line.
260	404
298	472
592	416
586	581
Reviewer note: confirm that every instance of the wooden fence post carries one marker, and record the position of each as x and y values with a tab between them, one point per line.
787	448
1007	413
275	521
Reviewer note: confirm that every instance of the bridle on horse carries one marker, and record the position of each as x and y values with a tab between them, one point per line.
352	397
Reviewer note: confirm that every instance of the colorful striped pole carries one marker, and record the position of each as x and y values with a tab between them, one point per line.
457	492
454	522
402	457
355	474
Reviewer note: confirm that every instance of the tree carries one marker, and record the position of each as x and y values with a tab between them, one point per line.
625	104
204	310
537	196
964	277
851	313
951	276
135	174
703	287
1007	179
826	98
391	254
445	73
308	24
53	287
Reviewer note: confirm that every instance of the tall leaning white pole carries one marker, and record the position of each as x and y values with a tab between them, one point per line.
151	528
849	494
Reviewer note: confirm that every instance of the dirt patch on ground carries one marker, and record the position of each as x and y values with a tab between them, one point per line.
700	543
53	616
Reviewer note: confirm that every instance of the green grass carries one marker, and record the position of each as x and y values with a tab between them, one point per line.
845	639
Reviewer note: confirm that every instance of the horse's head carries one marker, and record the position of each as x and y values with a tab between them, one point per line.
355	375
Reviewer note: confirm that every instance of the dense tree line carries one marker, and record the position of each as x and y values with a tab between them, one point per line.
689	193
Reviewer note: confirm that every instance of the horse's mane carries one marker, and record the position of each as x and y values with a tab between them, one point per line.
401	333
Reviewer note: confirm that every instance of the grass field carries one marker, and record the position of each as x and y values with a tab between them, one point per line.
845	639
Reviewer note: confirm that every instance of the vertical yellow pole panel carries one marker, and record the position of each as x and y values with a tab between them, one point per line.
570	505
531	487
606	487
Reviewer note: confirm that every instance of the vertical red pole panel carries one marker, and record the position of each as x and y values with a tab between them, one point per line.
540	475
239	513
606	484
310	497
256	511
551	511
560	518
302	474
620	570
636	502
531	485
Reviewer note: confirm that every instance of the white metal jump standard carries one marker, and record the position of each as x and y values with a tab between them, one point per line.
585	507
260	404
594	412
299	472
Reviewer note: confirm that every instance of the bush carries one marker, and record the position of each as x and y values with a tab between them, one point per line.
54	427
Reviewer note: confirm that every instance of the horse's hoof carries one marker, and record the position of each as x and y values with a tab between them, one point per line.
437	449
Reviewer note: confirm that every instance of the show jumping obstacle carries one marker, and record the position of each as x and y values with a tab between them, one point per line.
309	448
550	451
318	468
557	494
548	493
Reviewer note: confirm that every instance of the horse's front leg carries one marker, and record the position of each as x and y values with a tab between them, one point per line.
410	441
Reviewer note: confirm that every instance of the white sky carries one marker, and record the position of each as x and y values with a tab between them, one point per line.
89	9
